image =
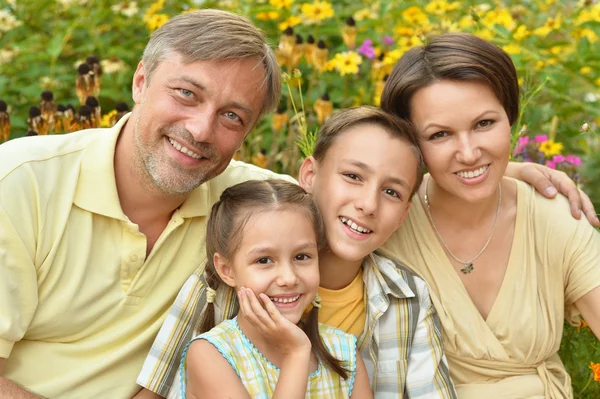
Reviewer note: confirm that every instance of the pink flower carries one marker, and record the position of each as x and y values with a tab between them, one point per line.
540	138
387	40
573	160
551	164
366	49
521	143
558	159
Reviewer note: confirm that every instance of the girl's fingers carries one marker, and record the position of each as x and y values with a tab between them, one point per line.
259	311
270	307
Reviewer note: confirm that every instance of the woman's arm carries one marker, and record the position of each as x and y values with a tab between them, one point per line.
549	181
209	375
589	306
361	389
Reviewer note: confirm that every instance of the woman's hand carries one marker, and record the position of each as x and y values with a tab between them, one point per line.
281	333
549	182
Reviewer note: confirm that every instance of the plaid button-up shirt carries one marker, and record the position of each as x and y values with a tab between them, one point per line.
401	343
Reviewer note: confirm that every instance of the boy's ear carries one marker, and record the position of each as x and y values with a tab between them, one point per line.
307	174
224	269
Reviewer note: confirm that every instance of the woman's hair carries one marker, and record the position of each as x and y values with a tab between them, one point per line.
455	57
215	35
398	128
224	234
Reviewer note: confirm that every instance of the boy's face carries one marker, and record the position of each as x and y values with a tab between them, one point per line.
362	188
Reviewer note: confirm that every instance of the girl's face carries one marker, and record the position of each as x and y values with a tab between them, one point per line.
464	134
277	256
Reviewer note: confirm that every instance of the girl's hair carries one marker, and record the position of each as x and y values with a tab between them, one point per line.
224	234
456	57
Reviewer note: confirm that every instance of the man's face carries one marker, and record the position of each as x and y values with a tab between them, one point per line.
190	118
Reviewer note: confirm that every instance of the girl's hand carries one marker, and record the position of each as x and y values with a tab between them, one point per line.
281	333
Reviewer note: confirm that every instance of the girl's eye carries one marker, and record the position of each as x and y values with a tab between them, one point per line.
391	192
263	261
484	123
352	176
438	135
302	257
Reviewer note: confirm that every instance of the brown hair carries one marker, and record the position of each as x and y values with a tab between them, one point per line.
398	128
224	236
452	56
215	35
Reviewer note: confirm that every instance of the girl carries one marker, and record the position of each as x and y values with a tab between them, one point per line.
263	239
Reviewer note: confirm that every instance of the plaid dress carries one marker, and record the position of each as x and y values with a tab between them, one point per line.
259	376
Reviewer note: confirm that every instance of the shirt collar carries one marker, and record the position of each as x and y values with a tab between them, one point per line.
97	189
383	278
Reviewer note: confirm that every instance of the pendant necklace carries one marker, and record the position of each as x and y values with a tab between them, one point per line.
468	265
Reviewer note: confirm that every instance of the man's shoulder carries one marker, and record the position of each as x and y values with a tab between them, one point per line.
238	172
42	149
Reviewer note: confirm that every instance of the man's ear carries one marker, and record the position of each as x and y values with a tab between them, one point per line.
307	174
139	83
224	269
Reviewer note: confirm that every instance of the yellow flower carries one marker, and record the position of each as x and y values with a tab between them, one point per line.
589	34
153	9
404	31
290	22
280	119
583	324
550	25
597	82
317	11
107	119
466	22
441	7
156	21
406	43
588	14
512	48
485	34
521	33
391	57
551	148
363	14
259	159
267	15
347	62
349	33
414	15
596	369
324	108
500	17
586	70
279	4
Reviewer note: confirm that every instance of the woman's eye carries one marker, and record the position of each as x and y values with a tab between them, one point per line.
484	123
438	135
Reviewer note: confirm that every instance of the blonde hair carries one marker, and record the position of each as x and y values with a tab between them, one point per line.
214	35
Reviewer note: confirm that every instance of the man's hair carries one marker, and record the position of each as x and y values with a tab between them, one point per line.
397	128
459	57
214	35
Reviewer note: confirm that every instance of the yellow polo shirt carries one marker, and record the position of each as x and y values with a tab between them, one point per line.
80	303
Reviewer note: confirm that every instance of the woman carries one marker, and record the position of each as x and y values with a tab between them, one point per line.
504	265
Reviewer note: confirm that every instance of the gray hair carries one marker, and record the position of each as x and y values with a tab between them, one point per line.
215	35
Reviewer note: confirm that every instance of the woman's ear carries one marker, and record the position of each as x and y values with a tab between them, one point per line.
224	269
306	176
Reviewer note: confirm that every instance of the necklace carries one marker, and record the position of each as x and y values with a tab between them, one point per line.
468	265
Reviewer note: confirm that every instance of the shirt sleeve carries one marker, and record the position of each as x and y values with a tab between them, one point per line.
162	363
18	275
428	375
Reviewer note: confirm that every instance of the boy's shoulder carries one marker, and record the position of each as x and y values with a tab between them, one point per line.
390	266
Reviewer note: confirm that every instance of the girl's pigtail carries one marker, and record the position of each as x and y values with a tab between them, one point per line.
311	328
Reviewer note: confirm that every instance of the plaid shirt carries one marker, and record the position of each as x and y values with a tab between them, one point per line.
401	343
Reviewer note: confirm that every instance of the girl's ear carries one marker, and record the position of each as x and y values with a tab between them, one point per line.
306	176
224	269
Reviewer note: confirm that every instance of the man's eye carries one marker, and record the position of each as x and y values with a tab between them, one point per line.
233	116
186	93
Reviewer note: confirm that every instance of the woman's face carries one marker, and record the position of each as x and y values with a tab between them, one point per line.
464	134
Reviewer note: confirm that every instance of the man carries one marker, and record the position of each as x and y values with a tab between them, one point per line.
100	229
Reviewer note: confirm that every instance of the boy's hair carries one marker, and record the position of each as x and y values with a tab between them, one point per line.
455	57
224	234
348	118
214	35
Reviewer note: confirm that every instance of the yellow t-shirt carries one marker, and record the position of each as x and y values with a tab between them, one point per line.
80	303
345	308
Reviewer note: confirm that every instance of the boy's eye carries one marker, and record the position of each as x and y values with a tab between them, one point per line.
391	192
